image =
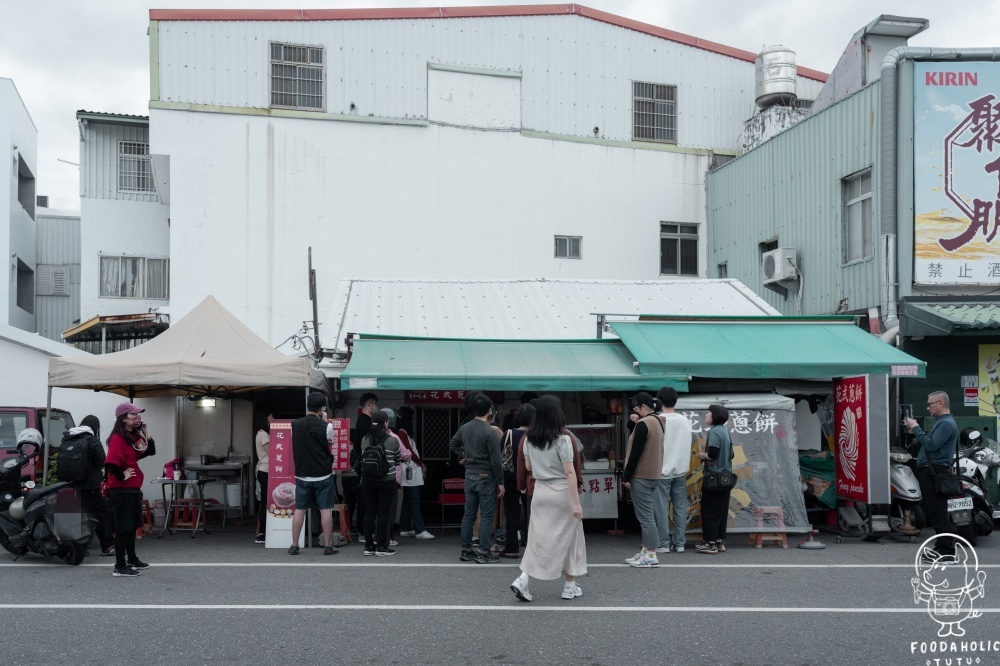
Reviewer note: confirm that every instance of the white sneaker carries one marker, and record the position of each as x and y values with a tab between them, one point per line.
661	549
408	533
425	535
571	592
644	561
634	558
520	590
677	549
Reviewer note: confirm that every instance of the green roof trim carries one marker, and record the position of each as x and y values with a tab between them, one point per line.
509	365
950	318
762	350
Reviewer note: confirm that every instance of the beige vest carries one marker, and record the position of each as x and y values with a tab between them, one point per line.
650	464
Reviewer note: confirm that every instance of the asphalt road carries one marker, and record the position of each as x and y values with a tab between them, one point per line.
219	599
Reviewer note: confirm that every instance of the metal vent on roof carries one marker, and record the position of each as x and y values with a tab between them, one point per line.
42	201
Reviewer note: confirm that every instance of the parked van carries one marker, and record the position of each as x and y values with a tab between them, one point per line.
15	419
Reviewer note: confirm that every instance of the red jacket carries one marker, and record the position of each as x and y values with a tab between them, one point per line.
121	453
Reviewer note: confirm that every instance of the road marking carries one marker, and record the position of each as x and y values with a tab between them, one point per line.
449	607
445	565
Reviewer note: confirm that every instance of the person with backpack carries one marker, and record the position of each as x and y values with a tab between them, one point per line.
81	463
509	449
717	457
404	456
377	470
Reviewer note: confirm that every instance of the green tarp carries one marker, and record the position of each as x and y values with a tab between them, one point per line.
415	364
763	348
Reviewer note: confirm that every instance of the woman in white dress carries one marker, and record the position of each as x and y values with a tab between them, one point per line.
555	534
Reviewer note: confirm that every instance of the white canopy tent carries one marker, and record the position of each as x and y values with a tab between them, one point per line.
209	352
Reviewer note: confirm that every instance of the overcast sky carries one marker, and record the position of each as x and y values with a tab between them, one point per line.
65	55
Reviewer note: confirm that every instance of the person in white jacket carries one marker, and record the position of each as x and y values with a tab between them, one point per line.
672	488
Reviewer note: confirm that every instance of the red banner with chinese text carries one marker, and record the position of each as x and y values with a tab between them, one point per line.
850	412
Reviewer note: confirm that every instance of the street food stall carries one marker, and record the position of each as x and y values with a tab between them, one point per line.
207	354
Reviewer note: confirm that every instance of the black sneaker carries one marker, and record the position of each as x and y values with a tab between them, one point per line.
384	552
138	565
369	550
260	539
127	571
467	555
488	558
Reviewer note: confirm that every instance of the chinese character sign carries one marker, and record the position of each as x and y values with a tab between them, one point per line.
850	413
340	447
279	496
956	161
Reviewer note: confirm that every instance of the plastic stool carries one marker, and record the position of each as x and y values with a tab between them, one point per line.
147	521
185	513
345	521
776	518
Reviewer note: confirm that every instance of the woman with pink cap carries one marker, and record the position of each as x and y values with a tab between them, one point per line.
128	444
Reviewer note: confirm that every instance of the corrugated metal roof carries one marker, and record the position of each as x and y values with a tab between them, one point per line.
111	118
946	318
364	14
533	309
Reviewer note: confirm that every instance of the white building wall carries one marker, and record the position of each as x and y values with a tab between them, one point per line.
112	227
114	222
577	72
250	194
18	141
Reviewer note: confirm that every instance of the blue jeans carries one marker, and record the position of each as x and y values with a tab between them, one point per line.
673	491
643	493
481	497
410	518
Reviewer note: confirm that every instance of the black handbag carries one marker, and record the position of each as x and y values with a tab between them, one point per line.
718	482
947	484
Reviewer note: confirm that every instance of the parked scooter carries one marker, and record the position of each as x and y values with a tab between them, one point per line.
906	514
975	459
47	520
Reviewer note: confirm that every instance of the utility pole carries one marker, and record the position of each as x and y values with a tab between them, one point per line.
312	296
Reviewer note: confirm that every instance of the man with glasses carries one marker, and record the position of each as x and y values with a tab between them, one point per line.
937	454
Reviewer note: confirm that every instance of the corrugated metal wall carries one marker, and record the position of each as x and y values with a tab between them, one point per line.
790	189
99	161
577	72
58	244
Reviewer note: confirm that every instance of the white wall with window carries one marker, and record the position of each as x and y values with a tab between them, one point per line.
124	262
857	235
680	252
125	227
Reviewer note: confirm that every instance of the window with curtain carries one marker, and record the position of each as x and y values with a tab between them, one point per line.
135	277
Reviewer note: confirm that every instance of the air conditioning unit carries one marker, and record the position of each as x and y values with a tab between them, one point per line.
779	265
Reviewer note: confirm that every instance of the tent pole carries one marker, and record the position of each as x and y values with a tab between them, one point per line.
45	438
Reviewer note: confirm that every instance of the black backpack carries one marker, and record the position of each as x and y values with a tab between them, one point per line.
73	460
373	464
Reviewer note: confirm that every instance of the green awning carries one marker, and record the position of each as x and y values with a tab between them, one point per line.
486	365
950	318
787	348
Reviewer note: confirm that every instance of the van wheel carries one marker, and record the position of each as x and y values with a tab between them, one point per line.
75	554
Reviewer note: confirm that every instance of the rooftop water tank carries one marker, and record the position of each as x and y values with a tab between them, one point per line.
775	77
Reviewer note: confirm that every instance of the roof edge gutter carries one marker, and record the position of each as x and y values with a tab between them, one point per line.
888	210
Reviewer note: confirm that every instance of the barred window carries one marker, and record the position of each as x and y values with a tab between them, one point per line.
135	174
135	277
857	240
654	112
297	77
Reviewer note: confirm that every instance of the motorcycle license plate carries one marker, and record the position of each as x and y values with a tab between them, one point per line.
962	504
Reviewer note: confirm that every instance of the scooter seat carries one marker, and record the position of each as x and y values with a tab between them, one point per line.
39	492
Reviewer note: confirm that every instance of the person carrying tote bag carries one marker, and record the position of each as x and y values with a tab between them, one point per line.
718	481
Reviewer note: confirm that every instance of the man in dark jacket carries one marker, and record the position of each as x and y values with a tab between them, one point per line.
937	455
311	437
88	434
